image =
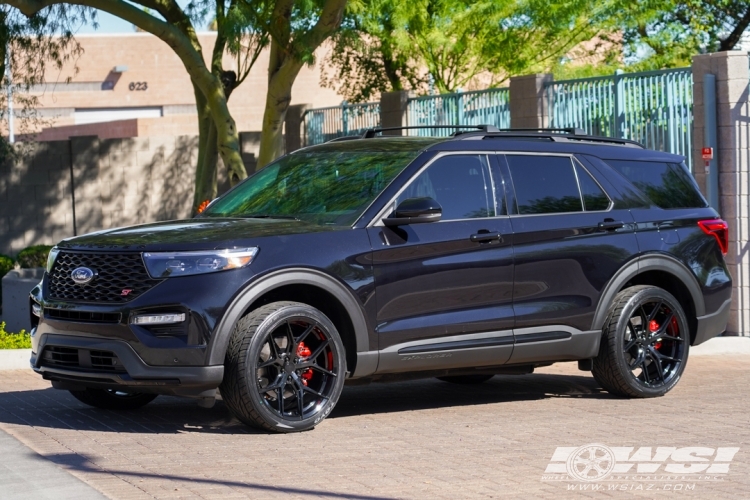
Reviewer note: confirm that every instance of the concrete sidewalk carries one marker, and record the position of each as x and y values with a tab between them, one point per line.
24	474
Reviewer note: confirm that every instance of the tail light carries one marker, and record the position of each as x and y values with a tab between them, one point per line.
719	230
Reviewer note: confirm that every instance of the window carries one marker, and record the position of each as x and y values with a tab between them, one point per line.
321	187
544	184
594	198
460	183
668	185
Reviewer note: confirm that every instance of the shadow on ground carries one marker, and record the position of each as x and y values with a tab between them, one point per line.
53	408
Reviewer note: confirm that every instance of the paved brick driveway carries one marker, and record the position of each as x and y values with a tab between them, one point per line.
423	439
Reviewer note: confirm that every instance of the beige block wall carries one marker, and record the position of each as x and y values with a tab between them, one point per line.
117	182
150	60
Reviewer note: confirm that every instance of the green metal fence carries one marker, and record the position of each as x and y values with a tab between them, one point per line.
653	107
481	107
324	124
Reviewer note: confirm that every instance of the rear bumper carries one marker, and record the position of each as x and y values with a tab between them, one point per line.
712	325
132	372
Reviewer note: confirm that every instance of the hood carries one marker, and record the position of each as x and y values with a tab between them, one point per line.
190	234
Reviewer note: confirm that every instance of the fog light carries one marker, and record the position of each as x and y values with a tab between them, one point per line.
36	310
158	319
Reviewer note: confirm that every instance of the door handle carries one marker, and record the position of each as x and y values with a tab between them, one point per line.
610	225
486	237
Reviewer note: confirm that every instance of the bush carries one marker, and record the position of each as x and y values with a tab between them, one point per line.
20	340
6	264
35	256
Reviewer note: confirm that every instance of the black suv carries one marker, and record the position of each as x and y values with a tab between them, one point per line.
383	258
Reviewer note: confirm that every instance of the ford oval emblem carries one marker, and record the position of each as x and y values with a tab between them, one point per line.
82	275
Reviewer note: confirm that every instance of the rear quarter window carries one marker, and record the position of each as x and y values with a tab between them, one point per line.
668	185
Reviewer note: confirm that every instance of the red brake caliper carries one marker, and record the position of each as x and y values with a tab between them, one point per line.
654	326
303	351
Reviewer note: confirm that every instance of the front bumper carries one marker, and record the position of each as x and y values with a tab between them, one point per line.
128	372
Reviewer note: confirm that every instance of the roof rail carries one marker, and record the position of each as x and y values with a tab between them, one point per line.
564	130
370	133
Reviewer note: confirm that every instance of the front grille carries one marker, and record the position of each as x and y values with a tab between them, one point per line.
116	274
82	316
82	359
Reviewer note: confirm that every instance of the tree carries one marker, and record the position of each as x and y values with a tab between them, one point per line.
667	33
297	29
28	46
456	41
174	25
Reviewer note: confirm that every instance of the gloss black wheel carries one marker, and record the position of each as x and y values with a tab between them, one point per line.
645	345
285	367
113	399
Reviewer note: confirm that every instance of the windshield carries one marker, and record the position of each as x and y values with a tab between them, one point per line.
322	187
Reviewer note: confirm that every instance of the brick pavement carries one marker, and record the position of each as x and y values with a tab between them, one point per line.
415	440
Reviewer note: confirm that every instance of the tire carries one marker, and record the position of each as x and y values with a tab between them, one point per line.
466	379
294	350
109	399
645	344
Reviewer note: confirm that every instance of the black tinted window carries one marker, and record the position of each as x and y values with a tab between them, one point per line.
593	197
460	183
544	184
668	185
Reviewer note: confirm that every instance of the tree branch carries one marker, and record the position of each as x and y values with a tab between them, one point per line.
734	37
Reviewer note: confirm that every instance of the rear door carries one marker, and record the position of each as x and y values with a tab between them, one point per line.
569	240
444	289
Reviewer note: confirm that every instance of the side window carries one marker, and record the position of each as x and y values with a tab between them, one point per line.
460	183
544	184
594	198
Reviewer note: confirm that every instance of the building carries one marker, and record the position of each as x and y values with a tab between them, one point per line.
132	84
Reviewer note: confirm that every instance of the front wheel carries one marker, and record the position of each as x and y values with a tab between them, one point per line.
645	344
112	399
284	369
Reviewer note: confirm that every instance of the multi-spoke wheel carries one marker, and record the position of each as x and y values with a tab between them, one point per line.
111	399
285	367
645	344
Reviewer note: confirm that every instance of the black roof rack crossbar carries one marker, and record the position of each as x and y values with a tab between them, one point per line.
370	133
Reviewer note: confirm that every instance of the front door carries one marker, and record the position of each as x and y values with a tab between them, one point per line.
444	289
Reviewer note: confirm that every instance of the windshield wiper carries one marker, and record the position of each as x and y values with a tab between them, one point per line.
268	216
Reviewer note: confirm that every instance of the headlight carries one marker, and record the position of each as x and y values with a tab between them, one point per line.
51	258
170	264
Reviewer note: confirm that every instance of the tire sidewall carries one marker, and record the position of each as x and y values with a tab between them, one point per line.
619	338
270	324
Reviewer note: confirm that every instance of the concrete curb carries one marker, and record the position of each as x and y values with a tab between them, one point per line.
15	359
723	346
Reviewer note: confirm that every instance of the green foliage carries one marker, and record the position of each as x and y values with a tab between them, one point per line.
20	340
667	33
6	264
391	45
34	256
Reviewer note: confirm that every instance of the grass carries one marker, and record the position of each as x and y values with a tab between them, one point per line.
8	340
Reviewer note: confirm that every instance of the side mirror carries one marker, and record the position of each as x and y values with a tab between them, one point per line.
415	211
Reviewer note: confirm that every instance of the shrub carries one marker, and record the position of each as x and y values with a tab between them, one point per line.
6	264
35	256
20	340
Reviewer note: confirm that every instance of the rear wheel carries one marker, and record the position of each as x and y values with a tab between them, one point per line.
645	344
466	379
111	399
284	368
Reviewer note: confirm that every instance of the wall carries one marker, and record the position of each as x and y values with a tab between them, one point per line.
115	182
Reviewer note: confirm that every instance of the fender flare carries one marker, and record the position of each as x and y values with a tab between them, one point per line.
294	276
641	264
